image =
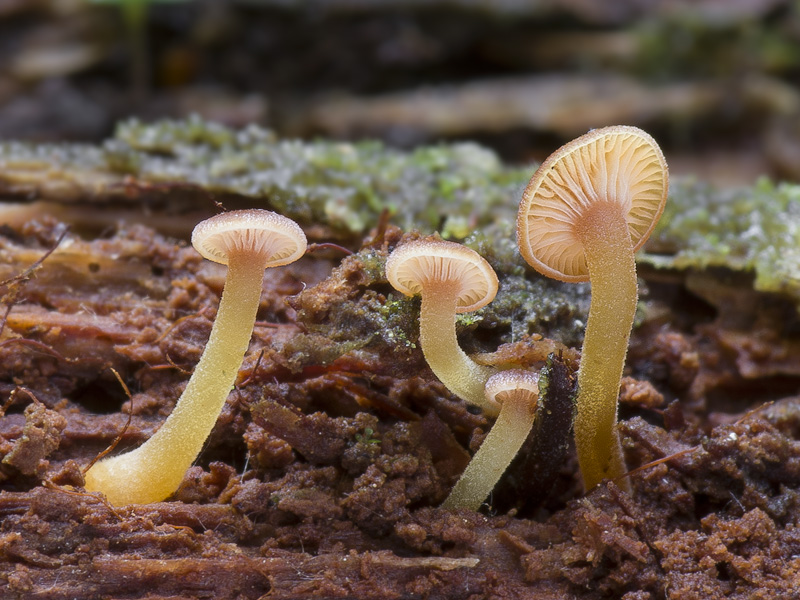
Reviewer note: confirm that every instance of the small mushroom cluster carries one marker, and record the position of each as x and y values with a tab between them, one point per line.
583	215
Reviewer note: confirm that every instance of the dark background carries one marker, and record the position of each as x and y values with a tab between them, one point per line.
715	81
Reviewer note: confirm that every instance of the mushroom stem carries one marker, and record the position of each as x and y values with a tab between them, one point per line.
437	335
610	260
498	449
153	471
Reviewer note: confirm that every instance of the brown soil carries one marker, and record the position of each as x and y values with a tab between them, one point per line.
323	475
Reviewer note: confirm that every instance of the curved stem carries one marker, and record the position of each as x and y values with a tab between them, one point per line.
153	471
501	445
437	336
612	269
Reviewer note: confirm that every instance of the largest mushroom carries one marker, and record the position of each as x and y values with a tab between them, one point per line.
583	215
248	241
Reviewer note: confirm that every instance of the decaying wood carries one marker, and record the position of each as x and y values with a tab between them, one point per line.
323	475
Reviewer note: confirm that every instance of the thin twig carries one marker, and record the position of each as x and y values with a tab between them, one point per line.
13	396
686	451
99	498
38	262
168	330
328	245
36	345
249	378
25	275
118	439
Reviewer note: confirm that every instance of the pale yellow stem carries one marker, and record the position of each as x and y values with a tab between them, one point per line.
437	335
501	445
612	271
153	471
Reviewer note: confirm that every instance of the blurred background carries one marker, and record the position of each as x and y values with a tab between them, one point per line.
715	81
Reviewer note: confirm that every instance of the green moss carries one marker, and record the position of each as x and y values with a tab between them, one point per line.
399	314
685	44
367	437
527	302
450	188
754	230
461	190
164	137
345	186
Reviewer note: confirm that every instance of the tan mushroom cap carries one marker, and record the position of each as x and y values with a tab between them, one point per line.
423	263
620	165
278	238
513	383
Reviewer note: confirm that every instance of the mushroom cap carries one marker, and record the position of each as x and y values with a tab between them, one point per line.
278	238
513	383
618	165
426	263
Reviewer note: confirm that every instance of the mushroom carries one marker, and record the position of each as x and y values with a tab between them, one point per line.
517	393
451	279
583	215
248	242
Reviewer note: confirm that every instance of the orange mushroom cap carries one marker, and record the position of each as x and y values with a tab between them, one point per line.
620	165
218	237
419	264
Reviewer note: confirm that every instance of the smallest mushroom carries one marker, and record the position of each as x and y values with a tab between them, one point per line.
516	392
248	242
451	279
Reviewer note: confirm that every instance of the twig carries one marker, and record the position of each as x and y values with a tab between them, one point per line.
10	297
686	451
325	245
44	348
118	439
